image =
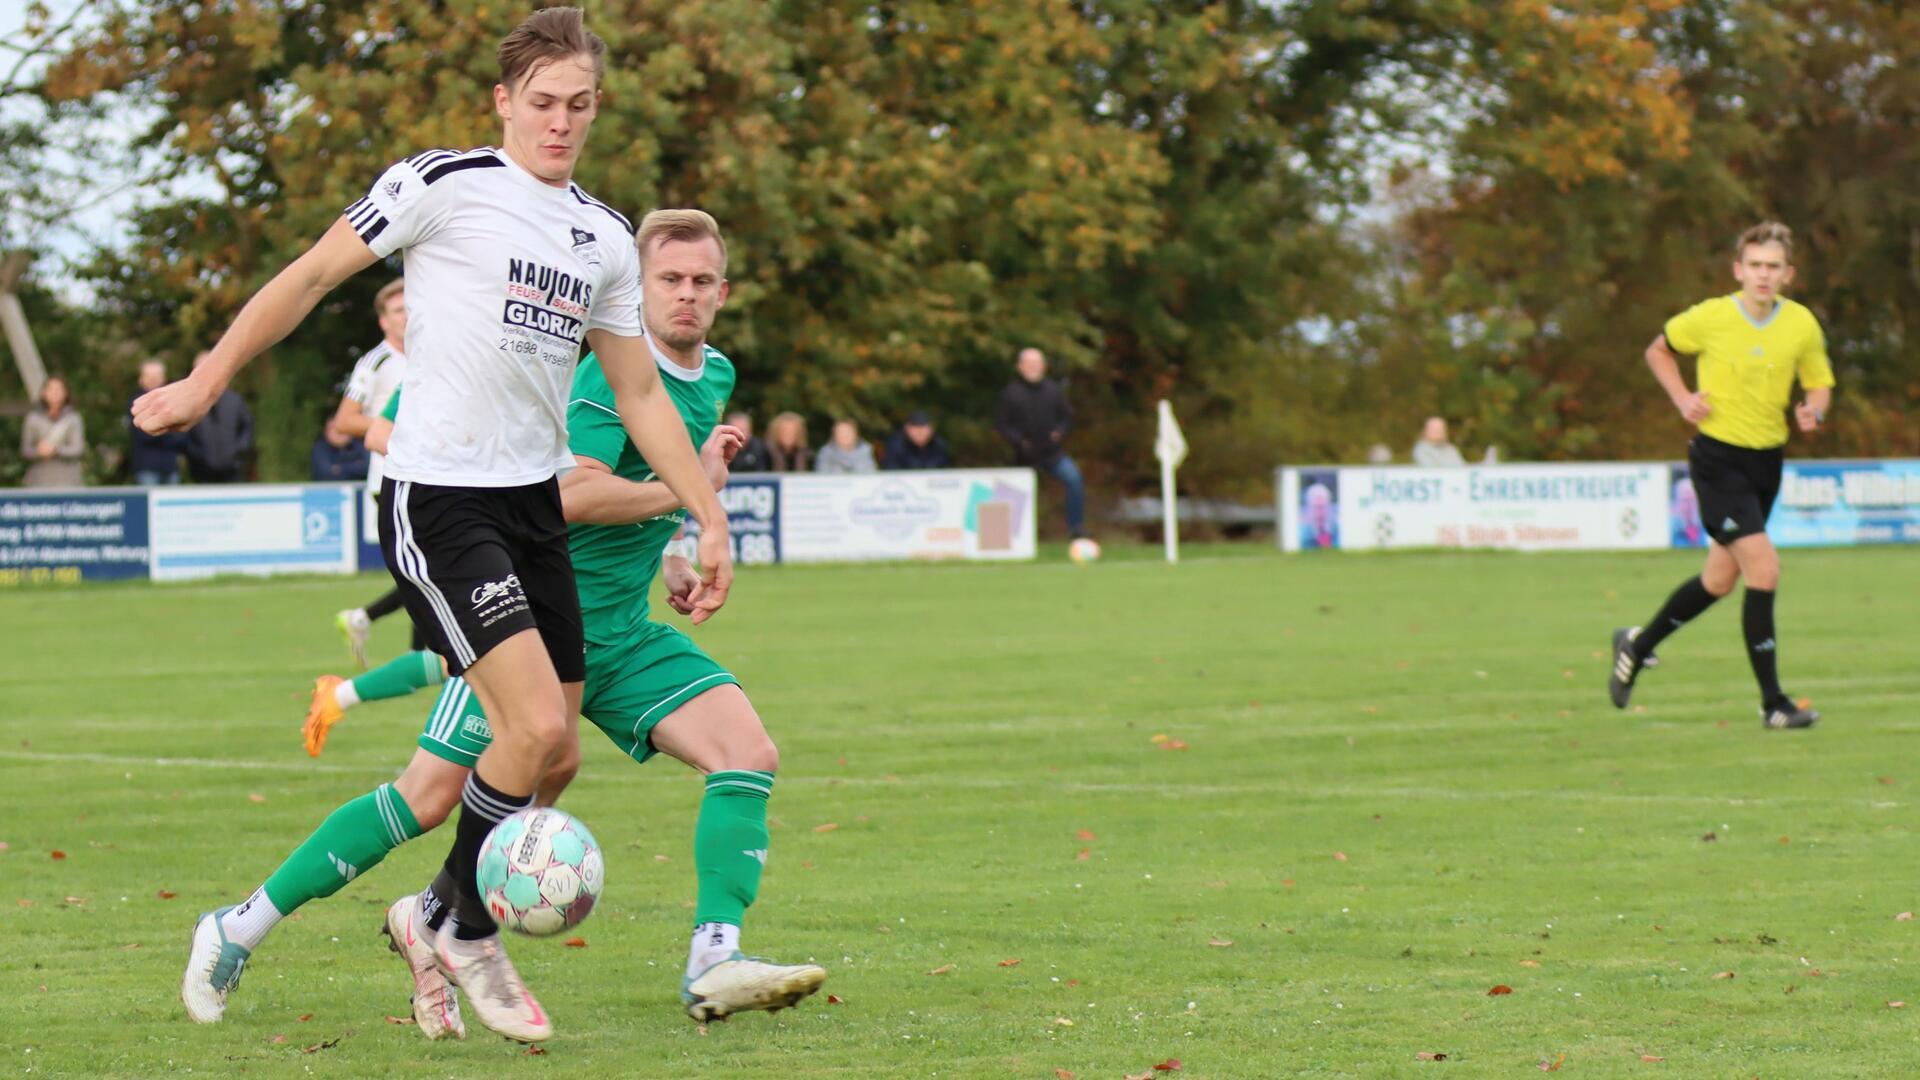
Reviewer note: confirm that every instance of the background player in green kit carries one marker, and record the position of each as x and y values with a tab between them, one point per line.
648	687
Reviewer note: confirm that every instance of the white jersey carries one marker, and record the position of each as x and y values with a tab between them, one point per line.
505	275
372	384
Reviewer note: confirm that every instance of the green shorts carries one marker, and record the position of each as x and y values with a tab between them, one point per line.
630	688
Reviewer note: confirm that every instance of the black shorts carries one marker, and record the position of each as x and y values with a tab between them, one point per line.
1736	486
476	566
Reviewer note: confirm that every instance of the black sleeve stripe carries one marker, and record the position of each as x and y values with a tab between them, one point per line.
588	200
379	225
365	213
487	161
425	157
357	207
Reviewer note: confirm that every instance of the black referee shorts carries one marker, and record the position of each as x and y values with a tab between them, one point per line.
476	566
1736	486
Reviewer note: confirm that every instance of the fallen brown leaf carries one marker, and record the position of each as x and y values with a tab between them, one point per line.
835	999
133	945
1011	961
76	899
57	855
399	1019
1554	1065
1500	989
663	858
1219	943
1220	884
1529	963
319	1046
4	846
827	827
1061	1021
576	943
24	902
1148	1075
1169	1065
277	1039
1159	739
256	797
1785	840
1650	1057
536	1050
1085	854
1062	1074
1429	1055
166	894
1339	856
1723	974
1888	780
1905	916
941	970
1085	834
304	1017
1896	1004
1073	982
1709	838
1173	744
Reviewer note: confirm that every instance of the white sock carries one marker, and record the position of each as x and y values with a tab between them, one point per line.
359	619
248	924
712	943
344	695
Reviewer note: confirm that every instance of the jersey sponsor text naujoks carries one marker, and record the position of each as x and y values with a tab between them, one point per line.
373	383
505	275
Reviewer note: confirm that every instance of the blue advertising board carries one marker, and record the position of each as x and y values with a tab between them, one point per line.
752	503
71	536
1847	503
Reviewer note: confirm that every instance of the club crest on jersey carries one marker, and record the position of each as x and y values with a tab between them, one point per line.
586	247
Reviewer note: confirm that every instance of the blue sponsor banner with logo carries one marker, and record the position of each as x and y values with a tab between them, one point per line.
199	531
752	503
1847	503
51	536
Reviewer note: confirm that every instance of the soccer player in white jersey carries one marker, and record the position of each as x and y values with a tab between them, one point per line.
373	382
510	266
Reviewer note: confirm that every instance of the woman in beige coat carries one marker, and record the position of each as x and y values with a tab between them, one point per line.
54	439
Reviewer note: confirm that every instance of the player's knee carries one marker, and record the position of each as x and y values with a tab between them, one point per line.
542	734
1720	582
1765	576
756	753
563	768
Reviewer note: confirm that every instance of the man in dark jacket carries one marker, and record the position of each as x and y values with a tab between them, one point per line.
156	458
751	457
915	446
338	456
217	446
1033	417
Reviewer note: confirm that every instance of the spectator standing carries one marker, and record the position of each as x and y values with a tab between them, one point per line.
1433	449
915	445
156	458
787	449
1033	417
847	452
217	446
53	439
338	456
752	456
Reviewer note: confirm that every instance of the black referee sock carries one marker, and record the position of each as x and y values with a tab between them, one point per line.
1757	618
1685	605
384	606
481	808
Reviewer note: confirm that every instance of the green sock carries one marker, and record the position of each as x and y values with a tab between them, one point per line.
400	676
352	840
730	844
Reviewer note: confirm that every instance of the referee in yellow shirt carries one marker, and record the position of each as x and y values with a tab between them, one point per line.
1750	346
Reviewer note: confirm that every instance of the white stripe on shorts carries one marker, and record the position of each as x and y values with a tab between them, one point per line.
413	564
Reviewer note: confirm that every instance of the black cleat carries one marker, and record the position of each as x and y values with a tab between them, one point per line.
1626	667
1786	714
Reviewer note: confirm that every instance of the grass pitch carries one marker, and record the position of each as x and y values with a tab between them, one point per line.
1267	816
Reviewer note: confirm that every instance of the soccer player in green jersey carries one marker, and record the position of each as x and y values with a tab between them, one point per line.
1751	346
649	687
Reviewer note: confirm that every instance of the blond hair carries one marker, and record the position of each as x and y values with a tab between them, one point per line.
784	422
387	292
555	33
686	226
1767	232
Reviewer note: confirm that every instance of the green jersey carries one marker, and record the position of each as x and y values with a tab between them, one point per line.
614	565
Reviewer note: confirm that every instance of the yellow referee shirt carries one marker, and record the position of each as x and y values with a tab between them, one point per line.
1747	367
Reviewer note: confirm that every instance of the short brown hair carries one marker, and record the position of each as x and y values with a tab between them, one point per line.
554	33
683	225
1767	232
387	292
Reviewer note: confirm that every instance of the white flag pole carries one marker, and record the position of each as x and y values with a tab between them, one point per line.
1170	446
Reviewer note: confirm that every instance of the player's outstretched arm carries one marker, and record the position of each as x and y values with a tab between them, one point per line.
1665	365
592	495
269	317
658	432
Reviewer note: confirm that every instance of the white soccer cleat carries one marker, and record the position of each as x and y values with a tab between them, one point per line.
214	965
494	990
436	1004
356	627
747	983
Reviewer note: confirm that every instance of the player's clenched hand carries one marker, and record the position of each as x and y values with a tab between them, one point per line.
681	580
174	407
1694	407
1808	416
716	574
718	453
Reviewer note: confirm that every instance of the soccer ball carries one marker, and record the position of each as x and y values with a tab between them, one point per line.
540	871
1084	550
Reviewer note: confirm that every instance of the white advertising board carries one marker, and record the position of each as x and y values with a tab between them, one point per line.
1523	507
945	514
204	530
